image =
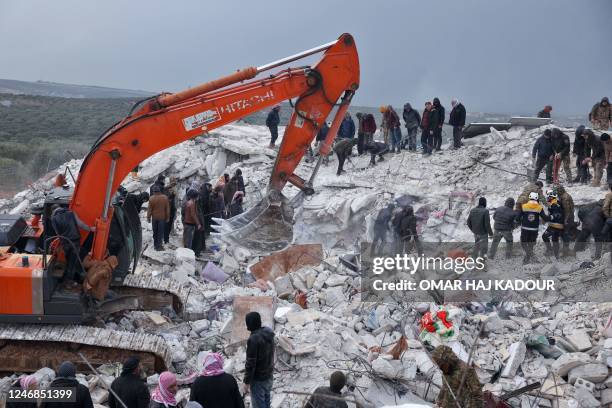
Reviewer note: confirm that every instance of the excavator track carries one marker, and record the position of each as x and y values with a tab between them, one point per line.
155	293
27	348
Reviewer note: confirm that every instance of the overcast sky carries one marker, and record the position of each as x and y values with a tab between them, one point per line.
495	55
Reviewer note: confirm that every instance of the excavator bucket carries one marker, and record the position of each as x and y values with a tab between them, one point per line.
264	228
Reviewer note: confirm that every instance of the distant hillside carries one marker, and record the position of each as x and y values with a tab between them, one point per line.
43	88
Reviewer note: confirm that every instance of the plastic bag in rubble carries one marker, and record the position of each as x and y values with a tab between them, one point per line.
540	343
371	321
213	273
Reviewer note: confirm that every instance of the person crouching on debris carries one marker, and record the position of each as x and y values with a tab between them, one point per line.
343	149
329	397
505	221
214	388
465	389
407	231
236	205
479	222
129	387
66	378
25	383
555	228
376	149
596	154
259	365
381	225
530	215
164	395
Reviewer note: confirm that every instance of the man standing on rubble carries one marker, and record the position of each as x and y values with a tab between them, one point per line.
579	151
556	227
347	127
596	154
479	222
343	149
412	120
272	122
381	225
66	378
259	365
438	123
158	214
457	120
465	388
393	124
505	219
530	215
561	147
426	126
329	397
191	221
170	192
543	150
601	114
131	389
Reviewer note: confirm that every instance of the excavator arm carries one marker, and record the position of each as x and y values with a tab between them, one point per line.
168	119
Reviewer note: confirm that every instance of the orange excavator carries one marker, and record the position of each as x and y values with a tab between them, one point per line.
32	262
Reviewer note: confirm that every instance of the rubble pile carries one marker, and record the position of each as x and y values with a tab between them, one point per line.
315	308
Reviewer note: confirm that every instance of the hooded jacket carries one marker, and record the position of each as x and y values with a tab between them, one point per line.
411	117
132	390
543	148
273	119
579	142
383	218
479	221
83	398
441	113
601	113
594	147
369	123
347	128
505	217
344	147
407	224
457	115
259	364
560	142
593	219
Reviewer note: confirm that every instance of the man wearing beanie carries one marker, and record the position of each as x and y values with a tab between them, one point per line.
129	387
479	223
259	366
66	378
329	397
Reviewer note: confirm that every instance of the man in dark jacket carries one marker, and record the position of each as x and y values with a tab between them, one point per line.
259	365
407	230
593	221
170	192
376	149
360	132
343	149
272	121
505	220
329	397
596	154
66	378
131	389
412	120
545	113
426	127
561	148
457	120
369	128
216	203
347	127
579	150
479	222
381	225
66	225
437	124
204	203
543	150
160	182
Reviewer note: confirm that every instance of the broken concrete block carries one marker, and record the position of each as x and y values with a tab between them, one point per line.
517	355
184	255
280	315
580	339
549	270
334	296
593	372
286	261
156	318
566	362
336	280
182	272
99	396
229	264
243	305
294	349
284	287
200	326
606	397
302	317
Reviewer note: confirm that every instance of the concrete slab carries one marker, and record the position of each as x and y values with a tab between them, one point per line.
264	305
286	261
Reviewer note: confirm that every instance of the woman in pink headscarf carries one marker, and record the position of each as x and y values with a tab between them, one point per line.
164	395
27	382
214	388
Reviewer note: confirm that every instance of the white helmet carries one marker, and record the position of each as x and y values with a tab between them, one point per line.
534	196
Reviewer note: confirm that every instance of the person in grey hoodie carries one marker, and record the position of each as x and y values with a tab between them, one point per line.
480	224
506	219
412	120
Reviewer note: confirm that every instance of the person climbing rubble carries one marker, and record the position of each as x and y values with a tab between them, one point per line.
578	150
596	155
556	227
66	378
343	149
130	387
437	123
214	388
505	220
164	395
542	155
24	383
530	188
381	225
158	214
427	123
259	365
272	121
347	127
392	122
530	215
376	149
457	120
479	223
407	231
561	147
545	113
412	121
593	221
329	397
462	380
601	114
